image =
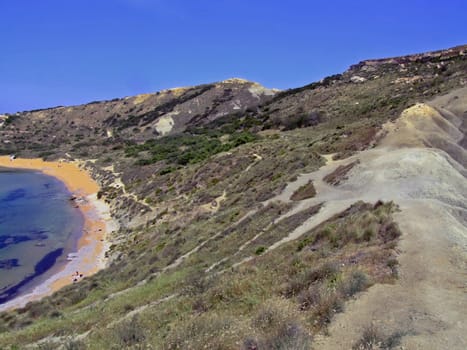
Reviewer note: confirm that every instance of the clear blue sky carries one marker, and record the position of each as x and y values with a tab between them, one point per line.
62	52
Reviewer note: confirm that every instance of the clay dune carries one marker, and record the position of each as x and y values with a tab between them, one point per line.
420	165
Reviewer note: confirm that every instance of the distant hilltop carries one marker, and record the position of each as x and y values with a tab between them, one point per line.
439	55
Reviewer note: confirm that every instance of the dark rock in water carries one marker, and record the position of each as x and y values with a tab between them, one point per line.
14	195
7	240
8	264
39	235
42	266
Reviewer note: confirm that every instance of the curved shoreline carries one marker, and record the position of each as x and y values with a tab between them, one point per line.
92	244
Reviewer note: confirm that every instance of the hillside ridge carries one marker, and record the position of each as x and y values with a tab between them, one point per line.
439	55
299	218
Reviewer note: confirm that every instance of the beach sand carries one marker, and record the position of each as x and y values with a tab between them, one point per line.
92	245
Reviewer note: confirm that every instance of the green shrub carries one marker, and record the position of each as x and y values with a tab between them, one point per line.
167	170
304	192
389	231
206	331
306	278
271	315
309	297
185	149
47	346
129	333
196	284
241	138
374	339
370	339
278	325
74	345
330	304
368	234
289	336
356	282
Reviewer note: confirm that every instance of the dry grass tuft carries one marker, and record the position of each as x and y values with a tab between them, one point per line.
340	174
304	192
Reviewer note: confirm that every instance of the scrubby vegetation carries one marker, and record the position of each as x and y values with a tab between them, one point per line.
186	149
374	339
340	174
277	300
304	192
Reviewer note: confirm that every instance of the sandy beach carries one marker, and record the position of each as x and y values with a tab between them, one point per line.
92	245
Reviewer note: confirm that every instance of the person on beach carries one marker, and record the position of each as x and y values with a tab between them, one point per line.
76	276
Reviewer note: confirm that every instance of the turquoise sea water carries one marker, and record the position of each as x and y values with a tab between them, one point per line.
39	226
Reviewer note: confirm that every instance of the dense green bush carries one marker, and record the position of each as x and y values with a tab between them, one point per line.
185	148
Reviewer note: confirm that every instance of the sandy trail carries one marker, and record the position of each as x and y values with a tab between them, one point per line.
90	256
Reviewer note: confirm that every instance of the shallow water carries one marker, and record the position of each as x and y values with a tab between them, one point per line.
39	226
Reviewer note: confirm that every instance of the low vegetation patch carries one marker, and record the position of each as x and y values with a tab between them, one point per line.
340	174
304	192
185	148
374	339
278	230
277	300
